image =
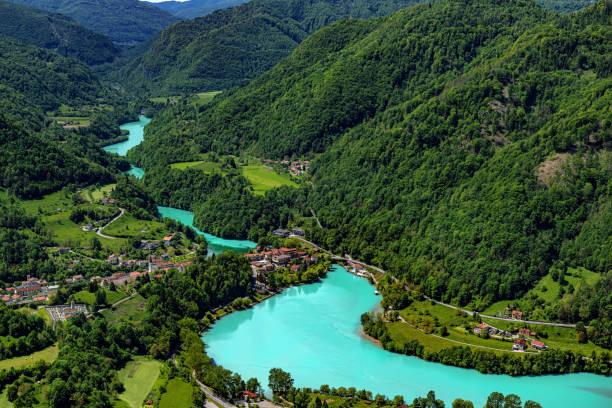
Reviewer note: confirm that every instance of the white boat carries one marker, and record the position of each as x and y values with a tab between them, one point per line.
376	292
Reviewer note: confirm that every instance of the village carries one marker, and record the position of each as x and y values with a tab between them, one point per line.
295	168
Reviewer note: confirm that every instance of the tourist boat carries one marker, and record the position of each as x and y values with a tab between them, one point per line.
376	292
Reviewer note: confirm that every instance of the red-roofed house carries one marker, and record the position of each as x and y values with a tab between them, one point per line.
517	315
520	345
538	345
482	327
249	394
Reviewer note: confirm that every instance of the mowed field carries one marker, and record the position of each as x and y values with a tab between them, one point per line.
132	310
49	354
138	377
178	395
264	179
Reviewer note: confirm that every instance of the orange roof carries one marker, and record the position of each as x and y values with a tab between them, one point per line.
483	325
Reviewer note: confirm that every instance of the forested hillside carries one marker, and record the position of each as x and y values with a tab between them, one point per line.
39	156
463	146
55	32
126	22
230	47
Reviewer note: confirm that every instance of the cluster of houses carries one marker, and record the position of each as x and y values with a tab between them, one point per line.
153	264
30	290
285	233
64	312
521	334
110	201
357	269
297	168
513	314
266	260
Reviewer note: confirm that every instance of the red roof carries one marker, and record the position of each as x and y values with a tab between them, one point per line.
537	343
520	341
483	325
249	394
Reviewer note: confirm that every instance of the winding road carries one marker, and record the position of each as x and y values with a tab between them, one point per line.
99	231
470	312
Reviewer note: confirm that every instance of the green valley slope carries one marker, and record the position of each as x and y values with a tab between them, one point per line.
55	32
126	22
462	147
230	47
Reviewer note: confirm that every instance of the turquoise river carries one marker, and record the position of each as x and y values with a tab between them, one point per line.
313	332
216	245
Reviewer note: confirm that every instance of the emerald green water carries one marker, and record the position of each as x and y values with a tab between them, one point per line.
135	136
216	245
313	332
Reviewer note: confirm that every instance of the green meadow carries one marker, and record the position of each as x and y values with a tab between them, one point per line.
138	377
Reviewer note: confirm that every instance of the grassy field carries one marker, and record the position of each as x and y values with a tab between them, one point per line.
205	97
4	402
129	227
177	395
264	179
72	120
208	167
95	194
129	311
90	298
42	313
138	377
55	210
49	354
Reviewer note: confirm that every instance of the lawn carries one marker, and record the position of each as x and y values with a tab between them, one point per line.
90	298
206	166
177	395
129	227
49	354
42	313
205	97
4	402
65	232
263	178
459	325
138	377
95	194
131	310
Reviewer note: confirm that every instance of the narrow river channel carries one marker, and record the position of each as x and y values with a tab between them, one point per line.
313	332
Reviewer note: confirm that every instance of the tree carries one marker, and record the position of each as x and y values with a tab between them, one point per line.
324	389
495	400
532	404
459	403
280	381
398	400
59	394
100	297
380	400
512	401
253	385
315	403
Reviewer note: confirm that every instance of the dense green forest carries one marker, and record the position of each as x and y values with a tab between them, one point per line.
232	46
565	6
22	333
463	146
55	32
126	22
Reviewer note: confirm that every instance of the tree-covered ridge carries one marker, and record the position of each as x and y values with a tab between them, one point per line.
565	6
45	78
466	147
55	32
230	47
126	22
32	165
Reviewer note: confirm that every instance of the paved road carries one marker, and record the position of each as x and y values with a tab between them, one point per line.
210	394
118	302
470	312
315	217
99	231
463	343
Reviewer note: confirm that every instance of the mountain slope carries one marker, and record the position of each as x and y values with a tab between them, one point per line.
463	147
230	47
55	32
126	22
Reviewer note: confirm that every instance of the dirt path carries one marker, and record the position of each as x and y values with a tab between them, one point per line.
99	231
